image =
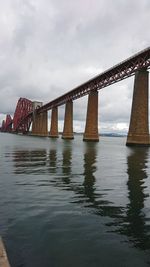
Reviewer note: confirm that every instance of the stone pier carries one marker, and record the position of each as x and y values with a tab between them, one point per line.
91	127
3	256
54	123
139	126
68	122
39	125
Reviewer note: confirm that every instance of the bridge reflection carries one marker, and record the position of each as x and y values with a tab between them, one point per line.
66	163
89	170
52	160
129	220
29	161
135	226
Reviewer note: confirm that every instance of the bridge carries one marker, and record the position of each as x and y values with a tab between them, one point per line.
34	114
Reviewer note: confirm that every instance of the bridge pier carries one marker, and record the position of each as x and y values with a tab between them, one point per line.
139	126
68	121
54	123
91	127
39	125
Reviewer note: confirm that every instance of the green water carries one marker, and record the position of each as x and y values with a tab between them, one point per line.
71	203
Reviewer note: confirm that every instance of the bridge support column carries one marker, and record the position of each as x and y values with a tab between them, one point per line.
91	127
139	127
54	123
68	122
39	126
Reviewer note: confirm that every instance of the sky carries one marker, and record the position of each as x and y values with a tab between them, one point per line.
48	47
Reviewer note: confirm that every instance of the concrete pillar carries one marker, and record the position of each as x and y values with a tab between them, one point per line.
139	127
39	125
68	122
91	127
54	123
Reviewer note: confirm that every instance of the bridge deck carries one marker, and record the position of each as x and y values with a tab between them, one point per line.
119	72
24	110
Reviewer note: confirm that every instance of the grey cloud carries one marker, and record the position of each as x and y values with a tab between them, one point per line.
48	47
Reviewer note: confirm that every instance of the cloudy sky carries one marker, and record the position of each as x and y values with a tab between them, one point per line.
48	47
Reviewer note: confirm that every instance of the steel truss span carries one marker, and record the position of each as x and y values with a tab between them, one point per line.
22	120
115	74
23	115
7	124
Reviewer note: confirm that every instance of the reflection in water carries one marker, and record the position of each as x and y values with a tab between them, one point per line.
135	226
93	196
89	170
29	161
129	220
133	222
66	163
53	160
88	193
85	191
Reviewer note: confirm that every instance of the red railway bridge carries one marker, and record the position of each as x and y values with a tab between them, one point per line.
28	112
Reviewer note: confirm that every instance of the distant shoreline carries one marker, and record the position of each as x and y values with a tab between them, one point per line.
106	134
60	133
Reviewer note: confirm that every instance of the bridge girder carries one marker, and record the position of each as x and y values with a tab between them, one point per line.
115	74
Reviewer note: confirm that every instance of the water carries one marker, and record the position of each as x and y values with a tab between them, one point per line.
71	203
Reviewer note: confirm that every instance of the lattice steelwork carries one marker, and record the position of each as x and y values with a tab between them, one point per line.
3	126
24	109
117	73
7	124
21	120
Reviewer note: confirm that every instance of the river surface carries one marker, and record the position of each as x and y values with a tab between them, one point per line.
74	204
